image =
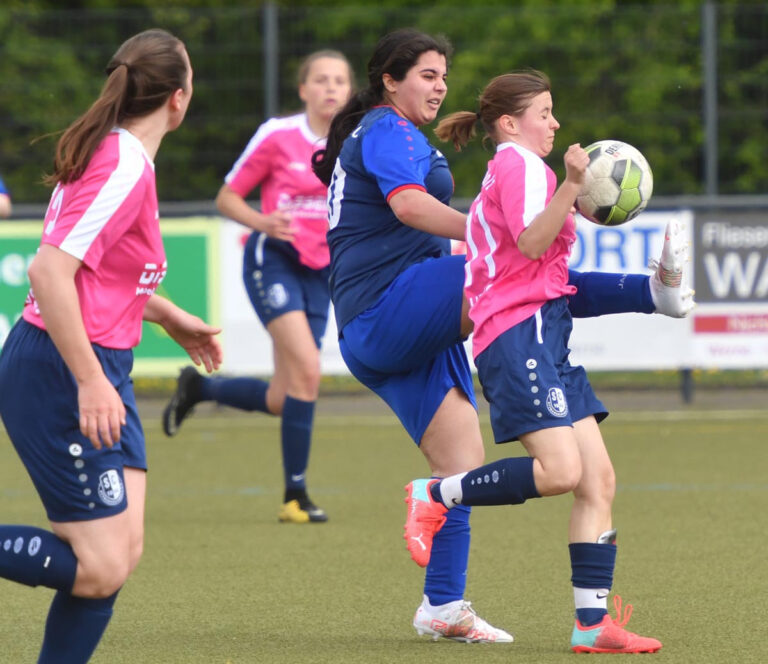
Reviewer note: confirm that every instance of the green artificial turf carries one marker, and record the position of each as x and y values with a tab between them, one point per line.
223	582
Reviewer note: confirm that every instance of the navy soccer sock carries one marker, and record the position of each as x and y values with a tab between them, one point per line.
446	575
504	482
74	628
296	435
243	393
36	557
592	577
604	293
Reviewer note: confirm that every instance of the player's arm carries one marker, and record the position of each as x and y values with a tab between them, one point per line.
191	333
5	206
52	277
420	210
546	226
277	224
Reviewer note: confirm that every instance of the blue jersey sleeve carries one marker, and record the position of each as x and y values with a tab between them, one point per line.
396	154
3	188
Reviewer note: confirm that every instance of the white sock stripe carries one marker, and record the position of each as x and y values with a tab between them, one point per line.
450	490
591	598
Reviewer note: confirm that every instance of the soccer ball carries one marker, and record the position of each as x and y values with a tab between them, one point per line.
617	185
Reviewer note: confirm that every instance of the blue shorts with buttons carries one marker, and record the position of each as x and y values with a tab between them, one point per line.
528	379
407	347
38	405
277	283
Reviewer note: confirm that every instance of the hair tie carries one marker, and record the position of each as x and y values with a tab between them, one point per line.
119	64
477	116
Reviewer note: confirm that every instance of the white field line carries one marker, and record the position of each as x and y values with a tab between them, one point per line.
260	421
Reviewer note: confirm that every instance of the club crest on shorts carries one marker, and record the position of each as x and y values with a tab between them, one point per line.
110	487
277	296
556	403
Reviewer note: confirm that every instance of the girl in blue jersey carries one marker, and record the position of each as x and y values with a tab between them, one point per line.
398	295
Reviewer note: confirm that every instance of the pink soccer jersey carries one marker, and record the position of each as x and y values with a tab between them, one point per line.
108	219
503	286
279	158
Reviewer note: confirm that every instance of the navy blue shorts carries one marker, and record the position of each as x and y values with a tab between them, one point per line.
277	283
38	405
528	380
407	348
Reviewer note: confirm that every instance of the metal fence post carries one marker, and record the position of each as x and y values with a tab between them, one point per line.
709	60
271	60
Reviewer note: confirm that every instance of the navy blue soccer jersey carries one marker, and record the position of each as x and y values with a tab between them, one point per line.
369	245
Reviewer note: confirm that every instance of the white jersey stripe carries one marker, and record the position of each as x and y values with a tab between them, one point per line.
492	244
471	254
535	186
113	193
266	130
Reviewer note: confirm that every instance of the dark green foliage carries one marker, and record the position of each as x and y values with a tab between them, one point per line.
632	72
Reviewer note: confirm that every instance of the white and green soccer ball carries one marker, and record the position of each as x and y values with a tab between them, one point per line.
617	185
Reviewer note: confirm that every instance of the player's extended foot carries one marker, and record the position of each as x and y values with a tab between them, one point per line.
609	636
457	621
425	518
187	394
301	510
671	294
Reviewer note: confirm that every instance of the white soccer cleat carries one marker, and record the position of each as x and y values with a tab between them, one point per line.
457	621
671	294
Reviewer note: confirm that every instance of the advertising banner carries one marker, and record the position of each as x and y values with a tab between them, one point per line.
192	282
730	324
728	269
628	341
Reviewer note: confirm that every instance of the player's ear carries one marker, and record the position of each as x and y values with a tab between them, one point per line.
176	99
508	124
390	85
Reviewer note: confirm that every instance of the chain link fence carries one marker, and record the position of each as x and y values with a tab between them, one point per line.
685	82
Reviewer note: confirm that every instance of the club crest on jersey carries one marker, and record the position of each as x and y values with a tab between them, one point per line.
110	487
277	296
556	403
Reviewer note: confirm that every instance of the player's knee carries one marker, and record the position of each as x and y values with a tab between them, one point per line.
304	382
558	476
598	488
102	579
137	550
564	481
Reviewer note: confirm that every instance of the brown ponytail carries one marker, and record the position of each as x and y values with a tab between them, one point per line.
144	72
458	128
508	94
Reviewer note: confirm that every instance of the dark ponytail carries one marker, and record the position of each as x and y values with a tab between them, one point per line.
394	54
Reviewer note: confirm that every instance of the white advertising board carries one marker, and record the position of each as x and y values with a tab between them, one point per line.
247	346
628	341
728	267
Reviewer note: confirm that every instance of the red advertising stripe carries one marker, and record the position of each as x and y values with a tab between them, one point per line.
732	324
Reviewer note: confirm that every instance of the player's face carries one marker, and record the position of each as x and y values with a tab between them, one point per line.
326	88
537	125
419	95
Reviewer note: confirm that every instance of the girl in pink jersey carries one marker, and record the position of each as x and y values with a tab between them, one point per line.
66	396
520	230
285	271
